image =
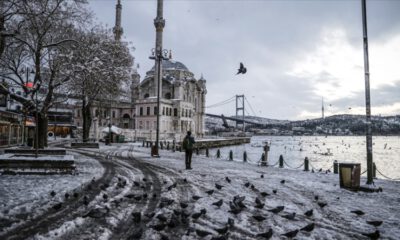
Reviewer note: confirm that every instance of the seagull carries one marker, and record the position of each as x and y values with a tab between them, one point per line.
283	181
52	193
241	69
262	176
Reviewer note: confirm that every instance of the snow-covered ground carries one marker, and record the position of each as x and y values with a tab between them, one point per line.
300	192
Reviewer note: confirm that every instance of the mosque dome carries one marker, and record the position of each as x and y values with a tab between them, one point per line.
172	65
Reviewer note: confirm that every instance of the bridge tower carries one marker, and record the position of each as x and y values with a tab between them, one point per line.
240	110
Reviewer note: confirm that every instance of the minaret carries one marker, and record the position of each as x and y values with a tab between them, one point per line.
323	116
118	31
159	24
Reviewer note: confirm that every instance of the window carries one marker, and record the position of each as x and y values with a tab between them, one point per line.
148	110
190	113
140	125
78	113
175	112
97	112
155	110
170	111
113	114
141	111
163	111
168	95
146	95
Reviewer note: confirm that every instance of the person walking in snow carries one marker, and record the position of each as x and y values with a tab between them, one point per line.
187	144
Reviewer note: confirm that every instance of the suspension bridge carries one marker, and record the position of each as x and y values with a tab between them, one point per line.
241	111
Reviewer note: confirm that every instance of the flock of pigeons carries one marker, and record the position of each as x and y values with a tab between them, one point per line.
182	216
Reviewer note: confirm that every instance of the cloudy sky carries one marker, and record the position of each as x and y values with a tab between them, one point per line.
296	52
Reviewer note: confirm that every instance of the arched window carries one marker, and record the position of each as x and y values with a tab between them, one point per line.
126	116
168	95
146	95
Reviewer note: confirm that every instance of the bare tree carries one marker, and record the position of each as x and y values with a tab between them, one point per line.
44	35
100	66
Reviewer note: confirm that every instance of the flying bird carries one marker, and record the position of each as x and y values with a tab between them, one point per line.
241	69
264	194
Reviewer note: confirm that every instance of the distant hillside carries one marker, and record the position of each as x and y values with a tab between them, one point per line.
336	124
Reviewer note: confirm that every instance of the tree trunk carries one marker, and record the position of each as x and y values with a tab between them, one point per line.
87	121
42	128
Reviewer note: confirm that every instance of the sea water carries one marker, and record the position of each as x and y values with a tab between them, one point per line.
321	151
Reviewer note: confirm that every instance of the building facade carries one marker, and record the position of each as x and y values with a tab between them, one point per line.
182	103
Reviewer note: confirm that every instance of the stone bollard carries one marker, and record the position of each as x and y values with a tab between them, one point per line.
281	161
231	155
244	156
335	167
218	154
306	164
263	162
207	153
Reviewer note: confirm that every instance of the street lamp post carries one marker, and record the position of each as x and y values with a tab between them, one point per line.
158	55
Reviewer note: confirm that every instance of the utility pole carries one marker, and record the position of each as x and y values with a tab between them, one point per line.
367	95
